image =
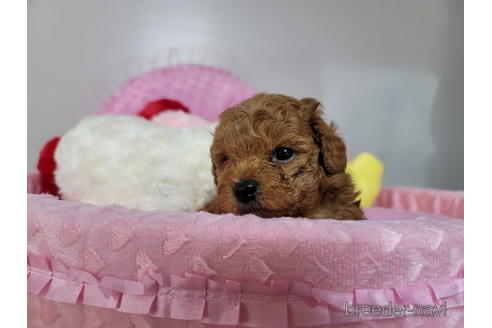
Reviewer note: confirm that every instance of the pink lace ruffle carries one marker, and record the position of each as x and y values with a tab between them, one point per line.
194	297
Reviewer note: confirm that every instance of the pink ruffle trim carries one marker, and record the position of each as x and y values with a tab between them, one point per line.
193	297
443	202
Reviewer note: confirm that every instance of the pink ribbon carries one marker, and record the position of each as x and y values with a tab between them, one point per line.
193	297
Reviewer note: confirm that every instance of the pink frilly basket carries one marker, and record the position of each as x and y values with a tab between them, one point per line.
109	266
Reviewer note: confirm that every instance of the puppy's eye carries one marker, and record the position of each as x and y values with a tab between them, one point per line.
283	155
225	159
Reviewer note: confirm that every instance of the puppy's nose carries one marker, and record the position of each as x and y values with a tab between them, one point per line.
245	190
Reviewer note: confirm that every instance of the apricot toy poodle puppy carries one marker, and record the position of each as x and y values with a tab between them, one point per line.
274	156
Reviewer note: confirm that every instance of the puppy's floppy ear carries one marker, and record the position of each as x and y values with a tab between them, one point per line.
332	157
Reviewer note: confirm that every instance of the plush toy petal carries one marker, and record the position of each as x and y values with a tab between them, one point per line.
156	107
367	173
47	166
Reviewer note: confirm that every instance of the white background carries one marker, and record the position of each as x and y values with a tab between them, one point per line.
390	73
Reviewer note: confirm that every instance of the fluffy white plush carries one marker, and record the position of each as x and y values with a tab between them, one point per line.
129	161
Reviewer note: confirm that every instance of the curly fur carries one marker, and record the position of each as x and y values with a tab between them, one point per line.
313	185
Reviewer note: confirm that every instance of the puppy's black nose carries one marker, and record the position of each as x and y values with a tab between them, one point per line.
245	190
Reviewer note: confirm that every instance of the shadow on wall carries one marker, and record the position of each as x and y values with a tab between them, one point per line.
448	115
386	111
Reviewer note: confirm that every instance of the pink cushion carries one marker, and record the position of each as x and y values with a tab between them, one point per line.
202	268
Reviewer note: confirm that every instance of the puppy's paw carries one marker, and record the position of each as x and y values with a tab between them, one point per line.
213	207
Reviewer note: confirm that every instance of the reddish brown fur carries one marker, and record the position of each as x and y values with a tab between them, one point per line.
313	185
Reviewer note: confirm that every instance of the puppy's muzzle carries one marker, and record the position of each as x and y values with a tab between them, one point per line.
246	190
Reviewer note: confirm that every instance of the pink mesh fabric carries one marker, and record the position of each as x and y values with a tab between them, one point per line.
206	91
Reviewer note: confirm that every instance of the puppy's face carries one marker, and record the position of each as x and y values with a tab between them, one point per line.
273	156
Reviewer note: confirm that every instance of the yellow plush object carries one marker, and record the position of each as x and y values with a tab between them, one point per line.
366	171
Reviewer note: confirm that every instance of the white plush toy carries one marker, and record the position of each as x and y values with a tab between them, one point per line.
137	163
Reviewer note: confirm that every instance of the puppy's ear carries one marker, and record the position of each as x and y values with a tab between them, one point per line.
332	157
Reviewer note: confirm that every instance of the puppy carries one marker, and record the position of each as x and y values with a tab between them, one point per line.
273	156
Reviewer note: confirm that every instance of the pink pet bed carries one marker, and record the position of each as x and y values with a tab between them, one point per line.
93	266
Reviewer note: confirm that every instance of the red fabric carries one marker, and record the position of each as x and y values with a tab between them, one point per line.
47	166
158	106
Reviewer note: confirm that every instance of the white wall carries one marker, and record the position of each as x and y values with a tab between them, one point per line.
389	72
